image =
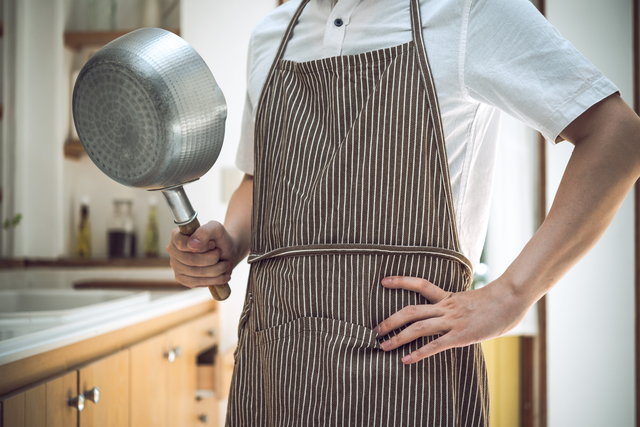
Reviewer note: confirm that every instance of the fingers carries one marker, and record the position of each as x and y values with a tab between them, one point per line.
422	286
436	346
199	267
201	240
407	315
202	259
199	260
428	320
198	282
204	235
422	328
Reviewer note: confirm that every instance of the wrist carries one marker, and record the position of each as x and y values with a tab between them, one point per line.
519	287
239	247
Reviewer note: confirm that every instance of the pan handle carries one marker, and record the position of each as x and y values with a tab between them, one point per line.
218	292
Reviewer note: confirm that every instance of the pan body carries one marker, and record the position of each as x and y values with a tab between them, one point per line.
148	111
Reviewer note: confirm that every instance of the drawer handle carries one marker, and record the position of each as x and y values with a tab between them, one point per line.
211	332
203	418
173	354
92	395
77	402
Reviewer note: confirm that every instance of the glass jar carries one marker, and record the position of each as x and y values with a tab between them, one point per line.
121	235
152	235
83	246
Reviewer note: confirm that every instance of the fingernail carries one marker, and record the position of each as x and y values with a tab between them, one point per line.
194	244
386	281
386	344
406	359
377	329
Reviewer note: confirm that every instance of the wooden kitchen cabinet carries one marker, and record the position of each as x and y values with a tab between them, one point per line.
110	378
164	372
181	381
44	405
151	381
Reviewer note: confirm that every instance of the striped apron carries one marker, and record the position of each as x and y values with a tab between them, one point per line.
351	185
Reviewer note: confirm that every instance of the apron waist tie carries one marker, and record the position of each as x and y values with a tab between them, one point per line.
340	248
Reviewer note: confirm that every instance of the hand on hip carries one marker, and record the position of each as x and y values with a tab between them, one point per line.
460	319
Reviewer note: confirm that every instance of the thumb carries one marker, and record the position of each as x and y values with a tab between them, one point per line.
202	240
196	242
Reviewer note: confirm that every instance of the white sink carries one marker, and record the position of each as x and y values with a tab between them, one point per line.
29	310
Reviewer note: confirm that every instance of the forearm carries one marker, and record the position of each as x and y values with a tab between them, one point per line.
238	218
602	170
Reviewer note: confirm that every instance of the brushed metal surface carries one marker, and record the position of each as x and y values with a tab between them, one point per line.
148	111
179	204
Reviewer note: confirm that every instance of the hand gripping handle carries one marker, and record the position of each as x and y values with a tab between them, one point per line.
219	292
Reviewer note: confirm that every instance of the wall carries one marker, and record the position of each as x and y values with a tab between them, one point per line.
39	126
590	312
512	219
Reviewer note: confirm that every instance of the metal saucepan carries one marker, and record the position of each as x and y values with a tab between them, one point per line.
150	115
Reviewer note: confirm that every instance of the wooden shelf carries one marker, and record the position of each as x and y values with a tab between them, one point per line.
84	262
79	39
73	149
143	285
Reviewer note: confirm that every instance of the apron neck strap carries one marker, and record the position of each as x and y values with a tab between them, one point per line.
416	27
287	33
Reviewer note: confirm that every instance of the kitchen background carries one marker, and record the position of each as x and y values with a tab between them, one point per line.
590	337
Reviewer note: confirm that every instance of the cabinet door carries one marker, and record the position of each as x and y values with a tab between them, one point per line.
182	377
190	338
47	404
57	394
110	406
149	383
14	411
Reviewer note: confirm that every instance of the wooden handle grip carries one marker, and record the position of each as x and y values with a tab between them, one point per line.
218	292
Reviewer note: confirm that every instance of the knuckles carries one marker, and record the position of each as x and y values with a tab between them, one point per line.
419	327
411	310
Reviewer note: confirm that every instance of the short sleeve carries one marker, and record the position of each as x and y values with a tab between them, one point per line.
244	155
515	60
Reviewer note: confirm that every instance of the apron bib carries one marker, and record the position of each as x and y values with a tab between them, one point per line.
351	185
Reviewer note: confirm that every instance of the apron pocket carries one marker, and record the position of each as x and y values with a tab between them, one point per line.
308	366
244	316
349	334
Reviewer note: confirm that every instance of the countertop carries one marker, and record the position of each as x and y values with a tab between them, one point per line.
160	303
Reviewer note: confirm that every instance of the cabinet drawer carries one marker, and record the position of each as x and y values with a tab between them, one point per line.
206	377
205	331
207	411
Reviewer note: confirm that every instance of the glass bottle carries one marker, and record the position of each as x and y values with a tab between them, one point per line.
152	235
121	234
83	247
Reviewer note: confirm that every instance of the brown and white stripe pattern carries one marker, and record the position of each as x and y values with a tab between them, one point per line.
351	185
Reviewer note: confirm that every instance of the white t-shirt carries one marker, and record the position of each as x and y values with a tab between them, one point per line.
484	54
